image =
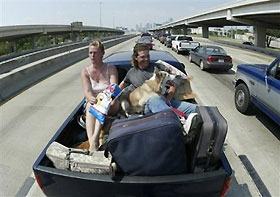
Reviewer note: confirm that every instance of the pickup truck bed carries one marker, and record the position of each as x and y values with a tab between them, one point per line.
55	182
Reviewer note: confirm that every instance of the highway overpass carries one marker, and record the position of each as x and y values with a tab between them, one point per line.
261	14
21	31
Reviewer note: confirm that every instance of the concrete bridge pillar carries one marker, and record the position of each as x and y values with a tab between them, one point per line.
14	47
260	35
33	43
185	30
176	30
205	32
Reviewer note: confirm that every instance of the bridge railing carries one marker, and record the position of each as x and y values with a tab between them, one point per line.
16	81
16	62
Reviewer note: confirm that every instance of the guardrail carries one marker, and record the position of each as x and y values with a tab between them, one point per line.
8	65
16	82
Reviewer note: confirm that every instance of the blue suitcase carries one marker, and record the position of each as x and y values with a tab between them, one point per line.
148	146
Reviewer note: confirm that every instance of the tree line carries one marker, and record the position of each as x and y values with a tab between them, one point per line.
35	42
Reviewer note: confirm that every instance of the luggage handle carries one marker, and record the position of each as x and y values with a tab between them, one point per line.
81	151
209	154
73	150
139	121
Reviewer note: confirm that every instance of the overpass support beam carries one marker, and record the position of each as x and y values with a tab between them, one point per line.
15	47
33	43
176	31
260	35
173	31
185	30
205	32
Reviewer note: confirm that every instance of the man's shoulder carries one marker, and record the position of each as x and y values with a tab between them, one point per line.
131	71
134	70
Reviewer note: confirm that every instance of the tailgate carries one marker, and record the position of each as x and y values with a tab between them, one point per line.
61	182
189	44
56	182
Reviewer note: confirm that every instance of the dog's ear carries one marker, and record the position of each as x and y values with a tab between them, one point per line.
156	70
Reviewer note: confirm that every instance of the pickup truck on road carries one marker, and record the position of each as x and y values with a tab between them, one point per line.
58	182
258	84
61	182
183	43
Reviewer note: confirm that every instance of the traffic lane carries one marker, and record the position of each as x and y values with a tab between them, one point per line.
243	56
240	57
24	134
246	57
246	134
224	76
29	120
250	56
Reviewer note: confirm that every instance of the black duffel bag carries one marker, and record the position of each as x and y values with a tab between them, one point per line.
148	146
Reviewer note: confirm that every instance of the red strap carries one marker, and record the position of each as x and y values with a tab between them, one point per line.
178	112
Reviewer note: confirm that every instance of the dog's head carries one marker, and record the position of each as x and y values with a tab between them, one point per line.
166	79
163	78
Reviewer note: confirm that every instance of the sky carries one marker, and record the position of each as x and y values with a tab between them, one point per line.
114	13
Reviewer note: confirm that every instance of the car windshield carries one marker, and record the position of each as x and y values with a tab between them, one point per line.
185	38
213	50
144	40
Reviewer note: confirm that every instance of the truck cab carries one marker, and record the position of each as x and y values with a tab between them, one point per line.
258	85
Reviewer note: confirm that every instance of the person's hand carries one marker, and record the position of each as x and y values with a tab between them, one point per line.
92	100
172	88
170	92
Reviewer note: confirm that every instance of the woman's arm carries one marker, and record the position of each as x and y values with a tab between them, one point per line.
87	87
113	72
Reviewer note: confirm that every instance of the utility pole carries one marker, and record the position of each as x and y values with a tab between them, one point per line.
100	13
113	21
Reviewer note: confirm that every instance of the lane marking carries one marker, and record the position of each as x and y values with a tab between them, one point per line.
28	183
255	176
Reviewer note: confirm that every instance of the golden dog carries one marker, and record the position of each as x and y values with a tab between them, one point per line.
135	101
183	87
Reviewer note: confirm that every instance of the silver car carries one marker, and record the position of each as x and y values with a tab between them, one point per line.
211	57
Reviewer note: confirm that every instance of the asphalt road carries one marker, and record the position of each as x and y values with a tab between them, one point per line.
28	121
255	138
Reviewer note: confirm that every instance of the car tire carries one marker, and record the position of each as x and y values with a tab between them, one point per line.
202	67
242	99
190	58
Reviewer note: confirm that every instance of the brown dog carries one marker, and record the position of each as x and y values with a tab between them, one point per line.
135	101
183	87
